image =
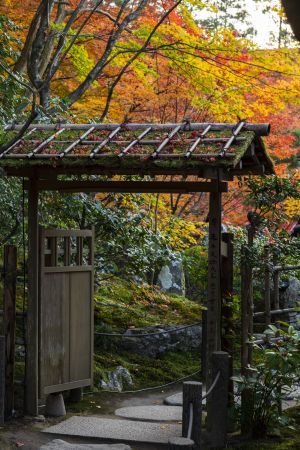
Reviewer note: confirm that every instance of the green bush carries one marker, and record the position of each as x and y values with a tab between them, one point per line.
195	263
276	371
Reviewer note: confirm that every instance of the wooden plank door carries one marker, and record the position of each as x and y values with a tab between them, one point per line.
66	310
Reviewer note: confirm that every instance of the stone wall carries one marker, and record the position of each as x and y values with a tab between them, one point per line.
154	345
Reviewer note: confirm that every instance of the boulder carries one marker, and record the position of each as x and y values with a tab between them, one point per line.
118	380
171	278
289	298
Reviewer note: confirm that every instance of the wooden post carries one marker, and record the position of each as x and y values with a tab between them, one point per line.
9	321
244	310
31	395
76	395
192	394
276	278
204	345
217	401
228	326
2	379
214	281
227	293
250	304
267	293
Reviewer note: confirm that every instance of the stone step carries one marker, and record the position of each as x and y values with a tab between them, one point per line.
116	429
156	413
176	399
58	444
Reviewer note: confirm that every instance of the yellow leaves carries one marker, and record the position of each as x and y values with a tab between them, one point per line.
292	208
81	61
181	234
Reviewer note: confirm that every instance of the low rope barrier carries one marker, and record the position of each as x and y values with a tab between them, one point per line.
191	420
145	389
212	386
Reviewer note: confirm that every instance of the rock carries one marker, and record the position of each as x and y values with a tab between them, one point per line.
55	405
118	380
292	393
171	278
40	418
289	298
58	444
153	345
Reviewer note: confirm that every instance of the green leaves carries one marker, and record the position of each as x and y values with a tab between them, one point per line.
269	380
267	195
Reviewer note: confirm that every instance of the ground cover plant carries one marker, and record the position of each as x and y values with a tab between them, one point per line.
122	305
275	372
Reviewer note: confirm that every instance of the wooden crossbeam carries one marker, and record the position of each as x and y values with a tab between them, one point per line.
130	186
261	129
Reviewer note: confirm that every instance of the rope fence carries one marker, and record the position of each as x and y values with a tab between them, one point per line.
150	388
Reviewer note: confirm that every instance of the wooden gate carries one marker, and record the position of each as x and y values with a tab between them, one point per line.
65	310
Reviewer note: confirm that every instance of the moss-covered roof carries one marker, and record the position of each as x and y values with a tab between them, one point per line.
139	148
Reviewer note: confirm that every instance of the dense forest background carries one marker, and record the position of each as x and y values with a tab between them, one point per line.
146	61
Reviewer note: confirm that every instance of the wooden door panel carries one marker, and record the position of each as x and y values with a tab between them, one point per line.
80	320
54	338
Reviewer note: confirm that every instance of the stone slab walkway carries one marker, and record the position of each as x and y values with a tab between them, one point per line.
158	413
58	444
174	400
116	430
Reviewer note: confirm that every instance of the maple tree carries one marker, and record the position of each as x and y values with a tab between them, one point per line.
164	65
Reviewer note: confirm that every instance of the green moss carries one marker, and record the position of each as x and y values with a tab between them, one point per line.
134	162
120	305
147	371
241	149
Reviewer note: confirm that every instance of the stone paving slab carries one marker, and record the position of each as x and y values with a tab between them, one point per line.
58	444
116	430
177	400
151	412
174	400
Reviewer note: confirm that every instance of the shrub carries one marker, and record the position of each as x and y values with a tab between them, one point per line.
277	370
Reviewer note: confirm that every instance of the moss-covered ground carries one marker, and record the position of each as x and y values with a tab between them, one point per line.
122	304
146	371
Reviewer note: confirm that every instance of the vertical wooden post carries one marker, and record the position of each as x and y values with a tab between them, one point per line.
2	379
204	345
267	293
214	281
276	279
9	320
192	394
250	305
31	395
227	293
228	328
217	401
244	310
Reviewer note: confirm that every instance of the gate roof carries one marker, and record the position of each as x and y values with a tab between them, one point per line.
185	148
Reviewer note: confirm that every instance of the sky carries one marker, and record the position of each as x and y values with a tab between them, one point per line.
265	24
